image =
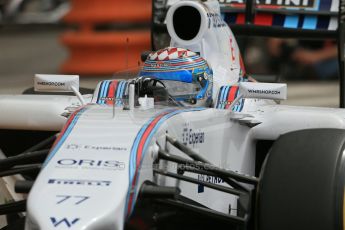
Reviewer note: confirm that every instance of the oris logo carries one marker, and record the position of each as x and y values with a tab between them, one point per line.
90	164
190	137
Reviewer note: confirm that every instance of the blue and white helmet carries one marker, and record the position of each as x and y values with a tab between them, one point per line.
186	76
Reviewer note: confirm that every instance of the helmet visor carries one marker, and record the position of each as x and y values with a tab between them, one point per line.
182	89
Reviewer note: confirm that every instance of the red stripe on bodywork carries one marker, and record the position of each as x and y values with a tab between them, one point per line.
231	96
65	127
144	137
139	154
130	202
111	92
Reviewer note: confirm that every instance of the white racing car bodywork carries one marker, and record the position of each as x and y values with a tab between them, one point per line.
92	177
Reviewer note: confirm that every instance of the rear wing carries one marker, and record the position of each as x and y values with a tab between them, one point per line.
303	19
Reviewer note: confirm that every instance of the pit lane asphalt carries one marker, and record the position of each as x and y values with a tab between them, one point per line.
25	51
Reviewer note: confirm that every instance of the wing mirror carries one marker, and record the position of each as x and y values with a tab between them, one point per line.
58	83
271	91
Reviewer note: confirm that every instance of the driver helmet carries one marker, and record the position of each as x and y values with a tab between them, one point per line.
186	76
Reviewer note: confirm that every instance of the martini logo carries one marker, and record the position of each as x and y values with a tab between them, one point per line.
283	3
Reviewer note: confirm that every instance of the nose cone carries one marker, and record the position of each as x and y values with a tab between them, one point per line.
81	202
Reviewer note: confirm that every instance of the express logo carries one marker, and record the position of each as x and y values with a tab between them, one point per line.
94	147
90	164
190	137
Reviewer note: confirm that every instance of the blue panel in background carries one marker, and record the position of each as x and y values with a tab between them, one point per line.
310	22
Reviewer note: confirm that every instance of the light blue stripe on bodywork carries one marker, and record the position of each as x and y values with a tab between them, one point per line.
118	92
122	90
291	21
226	92
310	21
102	91
99	95
106	91
238	107
118	89
223	89
63	138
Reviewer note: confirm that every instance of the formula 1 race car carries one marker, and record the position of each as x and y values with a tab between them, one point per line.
192	142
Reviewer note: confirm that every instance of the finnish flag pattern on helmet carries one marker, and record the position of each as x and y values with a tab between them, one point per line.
178	64
172	59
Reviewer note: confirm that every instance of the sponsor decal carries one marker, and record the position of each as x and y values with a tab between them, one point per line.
263	91
95	147
284	3
107	98
63	222
159	64
191	137
51	83
223	103
209	179
76	200
90	164
100	183
111	100
215	21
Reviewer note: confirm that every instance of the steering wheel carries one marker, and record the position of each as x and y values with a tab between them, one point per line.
155	81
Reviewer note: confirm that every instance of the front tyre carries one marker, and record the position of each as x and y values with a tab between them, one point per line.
302	183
